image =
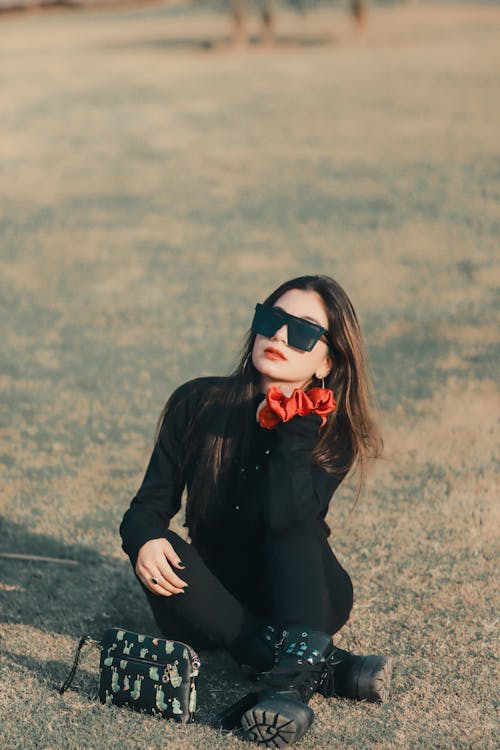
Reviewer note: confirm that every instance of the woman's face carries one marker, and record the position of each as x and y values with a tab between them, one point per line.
298	366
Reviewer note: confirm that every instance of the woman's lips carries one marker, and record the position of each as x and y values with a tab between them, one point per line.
274	354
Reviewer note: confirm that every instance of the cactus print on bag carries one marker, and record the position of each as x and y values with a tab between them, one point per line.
149	674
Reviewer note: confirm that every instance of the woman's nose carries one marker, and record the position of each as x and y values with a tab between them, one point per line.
281	334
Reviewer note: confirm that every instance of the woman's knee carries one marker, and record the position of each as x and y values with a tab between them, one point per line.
173	627
340	601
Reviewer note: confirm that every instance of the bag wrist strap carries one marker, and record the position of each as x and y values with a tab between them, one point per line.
83	640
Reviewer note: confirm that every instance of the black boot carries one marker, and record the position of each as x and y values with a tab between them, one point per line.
256	650
281	715
257	646
347	675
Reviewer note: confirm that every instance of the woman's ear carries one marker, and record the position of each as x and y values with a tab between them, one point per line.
328	366
323	375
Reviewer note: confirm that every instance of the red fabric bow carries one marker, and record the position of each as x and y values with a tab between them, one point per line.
281	408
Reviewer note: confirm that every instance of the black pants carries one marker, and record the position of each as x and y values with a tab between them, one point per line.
290	578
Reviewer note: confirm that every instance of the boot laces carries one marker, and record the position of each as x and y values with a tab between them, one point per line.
305	681
328	672
308	684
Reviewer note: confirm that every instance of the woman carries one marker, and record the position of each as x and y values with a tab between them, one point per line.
261	452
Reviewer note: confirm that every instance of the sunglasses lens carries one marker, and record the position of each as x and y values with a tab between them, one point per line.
301	334
265	321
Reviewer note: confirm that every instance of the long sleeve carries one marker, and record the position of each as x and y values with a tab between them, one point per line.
159	496
297	491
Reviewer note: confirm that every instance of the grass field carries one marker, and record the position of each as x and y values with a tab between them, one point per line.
154	185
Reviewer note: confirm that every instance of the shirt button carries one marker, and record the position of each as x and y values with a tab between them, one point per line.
257	467
267	452
237	507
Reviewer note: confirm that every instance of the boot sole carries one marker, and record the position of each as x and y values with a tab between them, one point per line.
374	679
277	722
230	717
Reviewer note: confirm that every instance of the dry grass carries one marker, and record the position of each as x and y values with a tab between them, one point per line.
152	188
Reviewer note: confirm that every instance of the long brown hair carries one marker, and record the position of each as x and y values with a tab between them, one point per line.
349	438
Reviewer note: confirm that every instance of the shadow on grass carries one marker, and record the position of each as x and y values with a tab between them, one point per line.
95	593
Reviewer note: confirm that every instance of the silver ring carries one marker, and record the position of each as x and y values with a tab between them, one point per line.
155	580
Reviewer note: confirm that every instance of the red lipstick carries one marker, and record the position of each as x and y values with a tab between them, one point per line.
273	353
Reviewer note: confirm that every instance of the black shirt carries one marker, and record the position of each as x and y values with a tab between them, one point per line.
279	487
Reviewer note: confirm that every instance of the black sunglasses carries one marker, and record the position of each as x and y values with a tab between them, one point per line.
302	334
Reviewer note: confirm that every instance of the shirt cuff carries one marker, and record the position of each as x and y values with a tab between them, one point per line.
141	535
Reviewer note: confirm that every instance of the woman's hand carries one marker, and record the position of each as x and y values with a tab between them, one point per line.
153	562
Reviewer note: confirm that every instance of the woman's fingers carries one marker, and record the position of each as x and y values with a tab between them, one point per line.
169	579
163	586
172	555
156	585
157	582
161	571
154	570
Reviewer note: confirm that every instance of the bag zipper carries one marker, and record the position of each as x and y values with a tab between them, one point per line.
195	659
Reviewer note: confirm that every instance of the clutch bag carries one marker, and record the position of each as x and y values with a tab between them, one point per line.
145	673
